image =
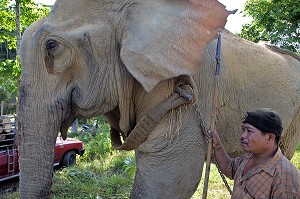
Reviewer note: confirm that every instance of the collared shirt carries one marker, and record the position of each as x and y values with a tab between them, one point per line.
276	178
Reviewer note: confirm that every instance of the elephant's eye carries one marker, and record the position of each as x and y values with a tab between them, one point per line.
51	45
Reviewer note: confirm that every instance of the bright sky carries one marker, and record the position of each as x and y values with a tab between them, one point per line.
234	23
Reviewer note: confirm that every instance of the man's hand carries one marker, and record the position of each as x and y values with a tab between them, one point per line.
221	157
214	137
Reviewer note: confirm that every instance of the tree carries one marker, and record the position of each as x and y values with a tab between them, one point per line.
18	24
29	12
15	17
276	21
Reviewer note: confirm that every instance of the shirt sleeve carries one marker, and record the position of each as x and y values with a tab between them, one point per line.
233	166
287	195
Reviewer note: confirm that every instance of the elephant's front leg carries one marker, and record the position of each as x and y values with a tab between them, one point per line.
170	167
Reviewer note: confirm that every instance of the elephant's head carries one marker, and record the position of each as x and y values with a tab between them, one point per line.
87	57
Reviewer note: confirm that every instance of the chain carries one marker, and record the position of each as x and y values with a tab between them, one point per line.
201	124
222	175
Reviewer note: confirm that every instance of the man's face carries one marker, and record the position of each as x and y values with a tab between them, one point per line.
252	140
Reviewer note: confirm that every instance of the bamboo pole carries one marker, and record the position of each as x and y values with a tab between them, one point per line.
213	116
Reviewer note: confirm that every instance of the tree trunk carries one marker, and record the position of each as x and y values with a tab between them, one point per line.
18	31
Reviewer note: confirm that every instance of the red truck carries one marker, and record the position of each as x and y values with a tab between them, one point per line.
64	153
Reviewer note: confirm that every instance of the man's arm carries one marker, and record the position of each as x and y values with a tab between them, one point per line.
221	156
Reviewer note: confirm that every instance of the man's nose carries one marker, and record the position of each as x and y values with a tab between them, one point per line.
244	134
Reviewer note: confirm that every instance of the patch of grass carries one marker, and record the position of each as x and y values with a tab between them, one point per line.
107	179
216	186
11	195
296	158
76	182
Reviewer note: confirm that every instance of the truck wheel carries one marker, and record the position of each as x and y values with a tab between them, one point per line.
69	159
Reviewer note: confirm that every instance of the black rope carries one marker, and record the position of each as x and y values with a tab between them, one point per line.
222	175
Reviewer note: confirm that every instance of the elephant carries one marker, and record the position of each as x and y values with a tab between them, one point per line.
123	58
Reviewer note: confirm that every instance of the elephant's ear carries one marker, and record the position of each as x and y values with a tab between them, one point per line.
165	39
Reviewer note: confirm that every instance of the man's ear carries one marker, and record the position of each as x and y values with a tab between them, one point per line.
271	137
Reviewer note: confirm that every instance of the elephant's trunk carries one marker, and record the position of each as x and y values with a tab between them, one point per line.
36	162
37	135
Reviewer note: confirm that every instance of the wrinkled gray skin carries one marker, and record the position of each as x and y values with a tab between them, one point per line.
92	57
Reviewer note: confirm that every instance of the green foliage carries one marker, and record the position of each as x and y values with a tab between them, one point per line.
99	146
10	76
10	69
30	12
296	158
277	21
13	195
129	165
97	142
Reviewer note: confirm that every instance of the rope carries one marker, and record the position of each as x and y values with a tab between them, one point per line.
222	175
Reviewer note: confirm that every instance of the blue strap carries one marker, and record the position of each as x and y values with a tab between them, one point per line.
218	54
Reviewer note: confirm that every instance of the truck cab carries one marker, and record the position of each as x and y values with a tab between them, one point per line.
64	153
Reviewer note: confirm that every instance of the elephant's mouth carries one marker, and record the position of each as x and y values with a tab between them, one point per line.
66	124
74	110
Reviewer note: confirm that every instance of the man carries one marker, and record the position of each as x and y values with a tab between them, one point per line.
263	172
